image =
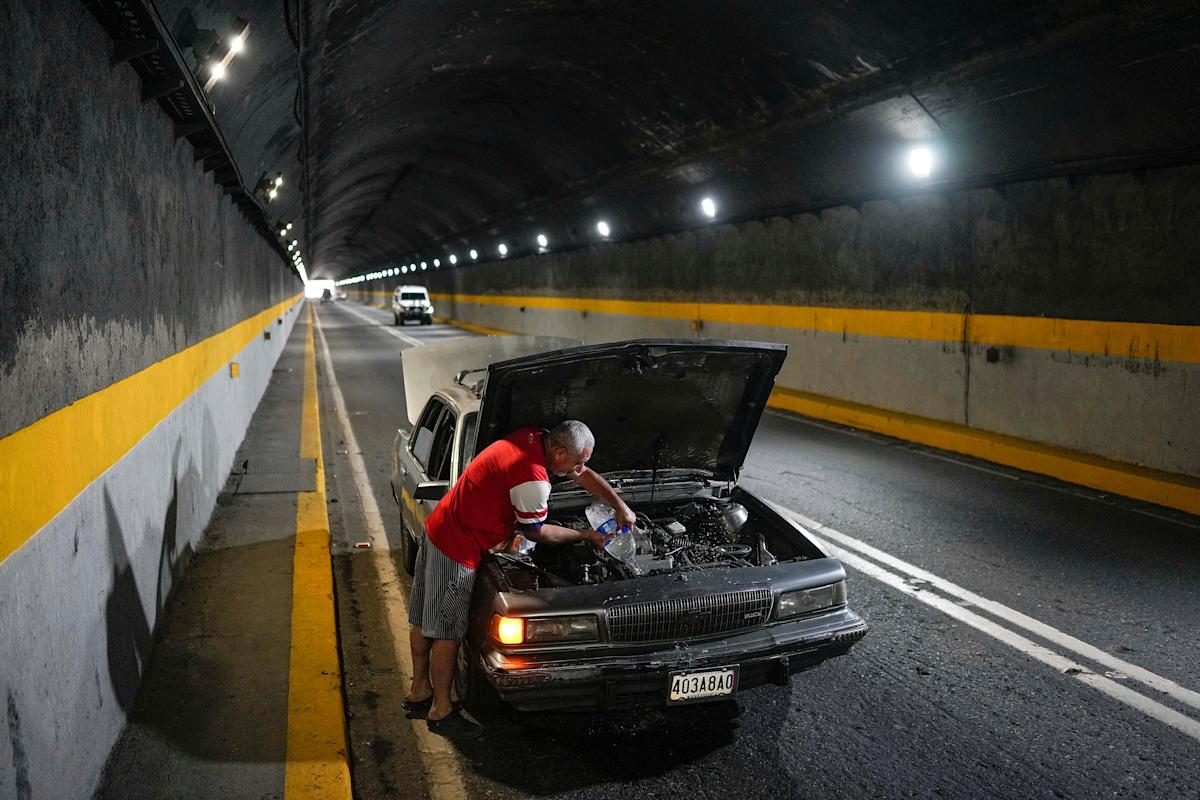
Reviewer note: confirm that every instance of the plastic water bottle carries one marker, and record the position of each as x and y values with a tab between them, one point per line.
604	519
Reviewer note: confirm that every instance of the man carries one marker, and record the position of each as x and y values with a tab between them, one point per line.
506	487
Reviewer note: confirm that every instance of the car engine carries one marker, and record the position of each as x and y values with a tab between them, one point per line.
700	534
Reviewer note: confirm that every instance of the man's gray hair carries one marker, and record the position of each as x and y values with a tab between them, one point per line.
572	435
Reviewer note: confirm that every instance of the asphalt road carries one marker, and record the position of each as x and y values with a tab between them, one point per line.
975	681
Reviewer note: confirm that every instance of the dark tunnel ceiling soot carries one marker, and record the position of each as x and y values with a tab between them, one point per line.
436	126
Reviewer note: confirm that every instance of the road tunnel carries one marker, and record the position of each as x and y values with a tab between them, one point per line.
971	225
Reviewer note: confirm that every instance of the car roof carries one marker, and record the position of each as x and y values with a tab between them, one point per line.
462	398
411	289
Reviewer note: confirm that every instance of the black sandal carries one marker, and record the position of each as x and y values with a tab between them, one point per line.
416	709
455	726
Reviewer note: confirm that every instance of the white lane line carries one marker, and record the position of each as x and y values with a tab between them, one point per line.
1124	694
1050	634
441	766
402	337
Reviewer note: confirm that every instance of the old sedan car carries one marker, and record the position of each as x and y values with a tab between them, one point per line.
725	593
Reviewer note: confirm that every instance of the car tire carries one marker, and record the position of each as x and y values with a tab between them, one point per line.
472	686
426	320
408	549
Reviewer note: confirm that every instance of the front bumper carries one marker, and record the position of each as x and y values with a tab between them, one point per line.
415	313
770	654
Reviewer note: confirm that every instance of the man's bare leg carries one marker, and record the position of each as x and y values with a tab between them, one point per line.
443	659
419	646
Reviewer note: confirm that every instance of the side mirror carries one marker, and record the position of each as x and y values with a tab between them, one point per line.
431	490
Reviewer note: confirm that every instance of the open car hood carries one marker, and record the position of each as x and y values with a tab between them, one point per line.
664	403
435	366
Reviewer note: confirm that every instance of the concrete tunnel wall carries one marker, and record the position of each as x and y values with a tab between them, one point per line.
1057	312
127	285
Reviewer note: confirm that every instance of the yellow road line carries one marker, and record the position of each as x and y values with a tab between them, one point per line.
1128	480
46	464
317	754
1126	339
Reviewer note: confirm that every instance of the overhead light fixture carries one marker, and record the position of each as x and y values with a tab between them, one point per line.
237	43
272	193
437	262
216	71
453	259
603	229
474	254
424	265
278	179
920	162
283	231
503	249
709	207
289	226
404	270
542	241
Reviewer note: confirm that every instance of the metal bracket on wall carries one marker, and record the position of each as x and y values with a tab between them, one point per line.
141	40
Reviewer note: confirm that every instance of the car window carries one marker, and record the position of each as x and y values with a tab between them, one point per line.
412	295
467	442
423	433
443	443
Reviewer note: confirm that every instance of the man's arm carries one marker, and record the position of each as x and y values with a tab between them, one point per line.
602	490
556	534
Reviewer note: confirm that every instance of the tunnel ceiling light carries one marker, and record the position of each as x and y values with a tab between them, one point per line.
920	162
412	267
404	270
437	262
271	194
709	207
283	231
453	259
542	241
502	249
289	226
278	179
217	71
603	229
237	43
474	254
424	265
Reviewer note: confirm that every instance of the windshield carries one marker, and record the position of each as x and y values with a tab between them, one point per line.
412	295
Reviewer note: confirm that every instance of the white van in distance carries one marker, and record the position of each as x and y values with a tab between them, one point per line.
411	303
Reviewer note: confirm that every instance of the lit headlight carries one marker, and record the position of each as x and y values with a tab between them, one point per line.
804	601
518	630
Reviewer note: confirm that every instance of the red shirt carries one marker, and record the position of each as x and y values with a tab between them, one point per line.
504	485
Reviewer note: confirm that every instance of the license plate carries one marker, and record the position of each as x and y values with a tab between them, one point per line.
694	687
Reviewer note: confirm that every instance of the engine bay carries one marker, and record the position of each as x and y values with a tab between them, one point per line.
701	533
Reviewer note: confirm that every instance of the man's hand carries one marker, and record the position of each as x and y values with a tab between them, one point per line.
625	517
595	538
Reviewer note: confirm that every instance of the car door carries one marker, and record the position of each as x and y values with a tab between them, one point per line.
414	462
437	462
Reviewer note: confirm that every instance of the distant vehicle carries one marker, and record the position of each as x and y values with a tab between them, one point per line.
727	593
340	296
326	296
411	303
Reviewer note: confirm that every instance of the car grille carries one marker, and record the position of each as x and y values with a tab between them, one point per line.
688	617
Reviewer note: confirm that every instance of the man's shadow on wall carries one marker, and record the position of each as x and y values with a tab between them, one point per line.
127	625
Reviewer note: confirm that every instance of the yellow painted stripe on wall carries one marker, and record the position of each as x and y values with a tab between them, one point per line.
1153	486
1132	339
45	465
318	761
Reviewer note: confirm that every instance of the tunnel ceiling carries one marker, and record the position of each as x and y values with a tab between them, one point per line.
431	127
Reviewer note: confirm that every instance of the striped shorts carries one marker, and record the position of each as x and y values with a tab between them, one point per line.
440	601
